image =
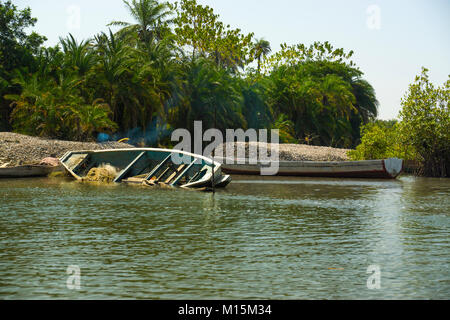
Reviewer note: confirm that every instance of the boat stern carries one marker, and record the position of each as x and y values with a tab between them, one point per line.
393	166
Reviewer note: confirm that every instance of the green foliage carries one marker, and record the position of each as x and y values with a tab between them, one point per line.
297	54
17	48
423	134
426	124
286	129
211	95
256	110
261	49
3	111
198	28
151	19
321	93
382	140
78	57
175	64
49	109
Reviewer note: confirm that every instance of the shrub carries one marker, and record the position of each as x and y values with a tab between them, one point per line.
382	140
426	124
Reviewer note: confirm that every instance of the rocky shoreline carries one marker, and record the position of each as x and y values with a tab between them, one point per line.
17	149
288	152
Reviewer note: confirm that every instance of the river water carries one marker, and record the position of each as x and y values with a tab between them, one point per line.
260	238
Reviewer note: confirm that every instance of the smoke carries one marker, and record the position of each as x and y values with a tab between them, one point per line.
156	132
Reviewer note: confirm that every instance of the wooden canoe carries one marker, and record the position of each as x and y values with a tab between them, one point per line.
377	169
149	166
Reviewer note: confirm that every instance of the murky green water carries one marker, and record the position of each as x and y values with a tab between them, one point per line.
258	239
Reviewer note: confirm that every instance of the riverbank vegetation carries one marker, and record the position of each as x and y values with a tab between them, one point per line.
425	124
382	140
169	65
422	134
172	64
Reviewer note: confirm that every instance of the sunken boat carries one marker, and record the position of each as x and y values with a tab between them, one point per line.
149	167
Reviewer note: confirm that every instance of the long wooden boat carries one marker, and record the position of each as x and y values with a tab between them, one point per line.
26	171
378	169
149	167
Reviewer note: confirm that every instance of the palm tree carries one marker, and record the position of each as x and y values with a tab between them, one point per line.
4	109
114	67
366	106
261	49
256	110
90	118
78	55
150	16
41	108
137	81
210	94
366	101
337	95
49	61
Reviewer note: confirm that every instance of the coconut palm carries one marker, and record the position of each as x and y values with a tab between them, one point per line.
78	56
92	118
150	17
137	81
114	65
366	101
48	62
366	107
210	95
56	109
256	111
262	49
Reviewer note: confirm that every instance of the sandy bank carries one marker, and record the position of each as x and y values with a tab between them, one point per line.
17	149
294	152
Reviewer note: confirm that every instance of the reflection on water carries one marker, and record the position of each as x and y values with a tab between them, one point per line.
261	238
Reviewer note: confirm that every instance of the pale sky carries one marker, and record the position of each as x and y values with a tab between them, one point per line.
392	40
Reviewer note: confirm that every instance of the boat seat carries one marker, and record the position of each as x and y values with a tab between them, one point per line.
174	175
134	180
162	175
151	175
194	177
